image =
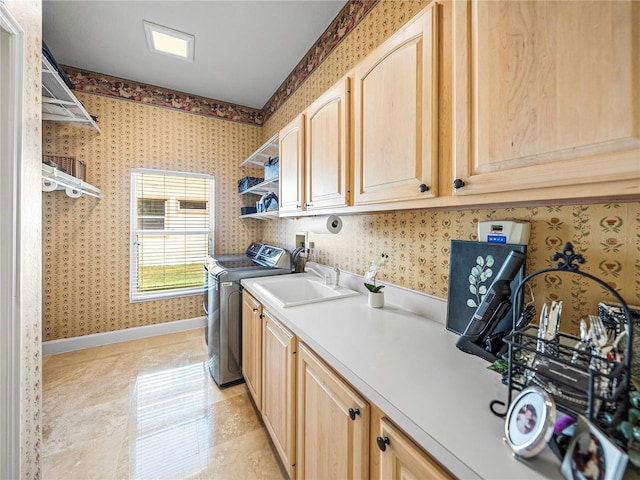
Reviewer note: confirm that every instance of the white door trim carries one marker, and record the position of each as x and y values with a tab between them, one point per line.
11	96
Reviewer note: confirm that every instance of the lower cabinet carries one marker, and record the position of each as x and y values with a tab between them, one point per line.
400	458
279	388
321	427
333	423
252	346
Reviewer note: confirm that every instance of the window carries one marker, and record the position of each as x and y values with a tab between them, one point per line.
192	205
171	233
151	214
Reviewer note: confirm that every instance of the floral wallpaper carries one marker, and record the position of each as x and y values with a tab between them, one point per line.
100	84
419	243
86	241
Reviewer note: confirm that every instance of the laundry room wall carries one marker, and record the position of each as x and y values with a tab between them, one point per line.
85	283
86	241
418	241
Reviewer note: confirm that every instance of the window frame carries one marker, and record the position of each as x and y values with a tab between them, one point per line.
136	296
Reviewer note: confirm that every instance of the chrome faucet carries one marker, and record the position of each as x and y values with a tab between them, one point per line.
316	268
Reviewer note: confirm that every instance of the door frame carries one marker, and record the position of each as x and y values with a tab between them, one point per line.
11	119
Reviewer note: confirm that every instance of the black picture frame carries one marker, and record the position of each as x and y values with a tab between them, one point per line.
464	256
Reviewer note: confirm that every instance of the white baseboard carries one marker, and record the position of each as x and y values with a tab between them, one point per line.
64	345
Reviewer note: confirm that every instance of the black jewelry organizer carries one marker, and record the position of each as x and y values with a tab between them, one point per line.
590	385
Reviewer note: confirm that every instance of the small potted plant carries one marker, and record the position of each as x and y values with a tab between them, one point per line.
376	295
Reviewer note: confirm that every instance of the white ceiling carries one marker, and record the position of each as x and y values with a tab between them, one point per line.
244	50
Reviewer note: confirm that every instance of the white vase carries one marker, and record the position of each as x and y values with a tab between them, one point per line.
376	300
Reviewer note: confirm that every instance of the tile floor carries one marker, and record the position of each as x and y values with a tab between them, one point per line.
148	409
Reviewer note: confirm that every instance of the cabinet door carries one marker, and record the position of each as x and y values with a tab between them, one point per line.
546	94
330	443
292	166
278	388
403	460
327	149
395	116
252	346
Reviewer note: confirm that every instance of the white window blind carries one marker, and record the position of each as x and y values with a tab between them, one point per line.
171	233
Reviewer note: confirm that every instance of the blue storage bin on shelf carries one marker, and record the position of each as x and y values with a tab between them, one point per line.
272	167
248	182
248	210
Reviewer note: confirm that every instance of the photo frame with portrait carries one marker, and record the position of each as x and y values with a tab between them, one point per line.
591	455
529	422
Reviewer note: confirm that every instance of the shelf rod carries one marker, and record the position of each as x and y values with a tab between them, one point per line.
74	187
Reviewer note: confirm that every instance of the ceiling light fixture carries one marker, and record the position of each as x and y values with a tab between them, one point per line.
167	41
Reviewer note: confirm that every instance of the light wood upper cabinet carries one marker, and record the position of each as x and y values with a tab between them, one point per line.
252	346
279	388
545	94
333	423
402	459
516	101
395	116
327	147
292	166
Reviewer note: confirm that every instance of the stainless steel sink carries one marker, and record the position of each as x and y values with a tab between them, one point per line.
292	290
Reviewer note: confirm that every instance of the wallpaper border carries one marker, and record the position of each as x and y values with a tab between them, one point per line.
106	85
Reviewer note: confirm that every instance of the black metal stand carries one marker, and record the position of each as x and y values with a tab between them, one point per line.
587	384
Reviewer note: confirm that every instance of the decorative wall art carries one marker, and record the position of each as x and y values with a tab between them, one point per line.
472	269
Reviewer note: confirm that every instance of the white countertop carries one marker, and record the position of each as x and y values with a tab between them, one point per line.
408	365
